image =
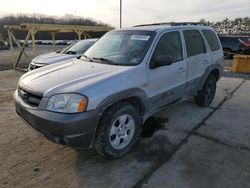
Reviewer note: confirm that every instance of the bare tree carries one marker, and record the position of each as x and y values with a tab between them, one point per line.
226	26
45	19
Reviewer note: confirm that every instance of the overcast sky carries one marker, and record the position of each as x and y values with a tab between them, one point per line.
134	11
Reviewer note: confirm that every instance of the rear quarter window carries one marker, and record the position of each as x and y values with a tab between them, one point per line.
212	40
194	42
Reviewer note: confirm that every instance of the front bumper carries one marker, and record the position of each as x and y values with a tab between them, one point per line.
76	130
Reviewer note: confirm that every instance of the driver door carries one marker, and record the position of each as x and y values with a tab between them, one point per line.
167	82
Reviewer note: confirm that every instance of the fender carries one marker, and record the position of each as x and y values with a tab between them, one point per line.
208	71
195	85
122	95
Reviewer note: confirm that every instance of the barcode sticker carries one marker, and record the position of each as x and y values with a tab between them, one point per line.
140	37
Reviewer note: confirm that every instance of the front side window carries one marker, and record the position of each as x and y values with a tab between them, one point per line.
127	47
194	43
169	45
211	39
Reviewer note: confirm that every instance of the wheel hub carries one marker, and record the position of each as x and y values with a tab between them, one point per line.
122	131
209	91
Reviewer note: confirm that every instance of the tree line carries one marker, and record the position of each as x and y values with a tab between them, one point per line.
67	19
237	26
226	26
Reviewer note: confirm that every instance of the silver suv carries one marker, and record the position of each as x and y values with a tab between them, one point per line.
102	99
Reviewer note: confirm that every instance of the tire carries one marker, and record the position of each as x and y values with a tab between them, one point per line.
117	131
206	94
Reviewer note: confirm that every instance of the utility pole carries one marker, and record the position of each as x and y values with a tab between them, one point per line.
120	13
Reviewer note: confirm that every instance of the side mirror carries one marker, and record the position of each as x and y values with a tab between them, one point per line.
161	60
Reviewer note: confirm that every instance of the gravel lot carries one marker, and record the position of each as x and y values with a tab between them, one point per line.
182	146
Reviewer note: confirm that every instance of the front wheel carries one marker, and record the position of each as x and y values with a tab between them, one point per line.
206	94
117	131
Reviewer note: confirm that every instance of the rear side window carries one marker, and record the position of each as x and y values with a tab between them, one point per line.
211	39
170	45
194	42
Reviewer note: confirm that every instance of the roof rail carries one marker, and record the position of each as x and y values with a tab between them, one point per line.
171	24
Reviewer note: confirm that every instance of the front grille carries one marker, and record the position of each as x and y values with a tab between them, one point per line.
29	98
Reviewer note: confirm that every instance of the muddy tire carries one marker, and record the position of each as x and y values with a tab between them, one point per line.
117	131
206	94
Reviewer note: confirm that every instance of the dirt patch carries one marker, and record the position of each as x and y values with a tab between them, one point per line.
6	96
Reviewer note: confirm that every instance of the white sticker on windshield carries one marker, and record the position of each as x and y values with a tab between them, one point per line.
140	37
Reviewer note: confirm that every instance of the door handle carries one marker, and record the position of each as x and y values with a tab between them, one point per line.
181	69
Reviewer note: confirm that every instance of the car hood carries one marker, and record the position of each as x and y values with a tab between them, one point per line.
52	57
68	77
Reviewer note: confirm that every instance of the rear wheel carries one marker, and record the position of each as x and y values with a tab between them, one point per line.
206	94
117	131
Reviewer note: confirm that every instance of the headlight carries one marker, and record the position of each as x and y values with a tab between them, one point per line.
67	103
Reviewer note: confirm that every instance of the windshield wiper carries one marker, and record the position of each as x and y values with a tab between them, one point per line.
108	61
87	57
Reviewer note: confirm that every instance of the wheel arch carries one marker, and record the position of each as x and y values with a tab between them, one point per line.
216	73
134	96
214	69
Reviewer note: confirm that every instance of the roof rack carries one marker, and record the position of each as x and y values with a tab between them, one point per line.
171	24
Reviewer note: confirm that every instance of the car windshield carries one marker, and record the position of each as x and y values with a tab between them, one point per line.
126	47
79	47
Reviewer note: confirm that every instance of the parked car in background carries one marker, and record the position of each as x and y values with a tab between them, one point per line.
61	42
71	52
3	46
239	44
22	42
47	42
102	99
71	42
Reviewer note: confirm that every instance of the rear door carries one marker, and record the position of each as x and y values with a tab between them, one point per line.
198	57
